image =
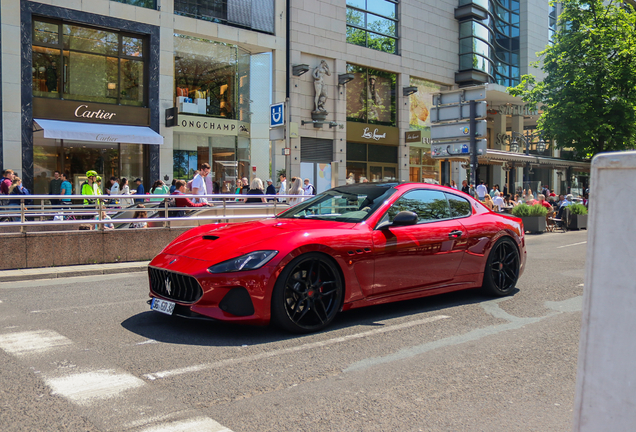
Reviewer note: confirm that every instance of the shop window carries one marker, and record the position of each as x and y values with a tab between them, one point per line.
211	78
255	14
373	24
88	64
371	96
150	4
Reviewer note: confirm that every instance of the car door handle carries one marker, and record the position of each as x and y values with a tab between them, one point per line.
455	234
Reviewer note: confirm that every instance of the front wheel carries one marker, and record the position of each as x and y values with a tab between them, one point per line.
307	294
502	268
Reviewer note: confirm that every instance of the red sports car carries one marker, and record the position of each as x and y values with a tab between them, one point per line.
351	246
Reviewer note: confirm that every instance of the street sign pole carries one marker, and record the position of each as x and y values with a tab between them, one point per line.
473	143
288	158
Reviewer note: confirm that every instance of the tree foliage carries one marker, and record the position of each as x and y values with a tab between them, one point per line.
588	96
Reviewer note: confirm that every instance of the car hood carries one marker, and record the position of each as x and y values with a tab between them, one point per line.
213	243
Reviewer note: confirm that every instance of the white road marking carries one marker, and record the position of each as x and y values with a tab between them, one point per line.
571	305
194	425
573	244
149	341
274	353
85	388
31	342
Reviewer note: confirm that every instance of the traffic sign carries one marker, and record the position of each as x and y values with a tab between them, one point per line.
457	112
454	97
277	114
458	130
459	148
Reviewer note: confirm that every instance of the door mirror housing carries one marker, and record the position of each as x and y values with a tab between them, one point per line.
405	218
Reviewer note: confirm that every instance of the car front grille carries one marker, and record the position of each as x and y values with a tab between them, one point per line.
174	286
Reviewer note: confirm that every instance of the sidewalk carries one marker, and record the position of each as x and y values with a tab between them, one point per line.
71	271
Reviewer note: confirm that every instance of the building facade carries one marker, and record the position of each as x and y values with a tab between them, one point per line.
146	89
152	89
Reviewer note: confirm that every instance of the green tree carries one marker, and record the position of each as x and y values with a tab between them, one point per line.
588	96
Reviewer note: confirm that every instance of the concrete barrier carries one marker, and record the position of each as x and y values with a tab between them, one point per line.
32	250
606	376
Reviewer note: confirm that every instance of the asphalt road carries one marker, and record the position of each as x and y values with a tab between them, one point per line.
86	354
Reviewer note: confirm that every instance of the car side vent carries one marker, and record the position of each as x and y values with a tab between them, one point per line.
210	237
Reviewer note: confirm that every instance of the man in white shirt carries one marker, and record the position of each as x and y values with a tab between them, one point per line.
283	187
498	200
198	183
481	190
309	188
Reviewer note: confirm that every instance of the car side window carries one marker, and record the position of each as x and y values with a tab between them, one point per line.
429	205
459	207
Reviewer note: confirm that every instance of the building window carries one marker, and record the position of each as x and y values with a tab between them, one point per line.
88	64
371	96
255	14
552	23
373	24
371	162
150	4
211	78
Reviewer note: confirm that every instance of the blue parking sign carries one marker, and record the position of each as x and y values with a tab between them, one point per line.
277	114
465	148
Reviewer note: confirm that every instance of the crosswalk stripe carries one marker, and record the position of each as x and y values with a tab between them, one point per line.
88	387
30	342
193	425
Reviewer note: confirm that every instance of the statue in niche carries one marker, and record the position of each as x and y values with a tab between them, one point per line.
321	88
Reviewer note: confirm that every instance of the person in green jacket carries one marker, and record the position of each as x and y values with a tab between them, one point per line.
90	187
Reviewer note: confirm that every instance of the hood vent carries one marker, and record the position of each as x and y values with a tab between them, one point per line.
210	237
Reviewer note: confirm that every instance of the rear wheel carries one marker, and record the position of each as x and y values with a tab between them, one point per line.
307	294
502	268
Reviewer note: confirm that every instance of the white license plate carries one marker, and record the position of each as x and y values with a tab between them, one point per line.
162	306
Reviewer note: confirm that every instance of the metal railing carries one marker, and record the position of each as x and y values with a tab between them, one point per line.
67	213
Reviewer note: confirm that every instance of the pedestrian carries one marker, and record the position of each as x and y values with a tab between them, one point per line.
66	189
488	202
180	189
5	184
498	201
271	190
140	215
173	186
54	187
114	186
453	185
198	183
256	188
465	187
481	190
245	186
308	188
17	189
125	190
189	184
282	190
140	190
89	187
296	189
541	200
105	217
159	188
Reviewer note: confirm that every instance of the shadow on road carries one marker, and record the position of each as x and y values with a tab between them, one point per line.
175	330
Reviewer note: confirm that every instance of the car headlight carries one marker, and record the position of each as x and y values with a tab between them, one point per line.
250	261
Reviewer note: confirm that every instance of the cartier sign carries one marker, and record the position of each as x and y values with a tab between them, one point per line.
90	112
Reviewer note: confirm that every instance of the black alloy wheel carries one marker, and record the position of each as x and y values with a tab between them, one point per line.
308	294
502	268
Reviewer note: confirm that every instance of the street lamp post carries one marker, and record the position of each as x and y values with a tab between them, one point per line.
527	139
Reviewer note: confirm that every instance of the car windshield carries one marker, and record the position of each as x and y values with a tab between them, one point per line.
352	203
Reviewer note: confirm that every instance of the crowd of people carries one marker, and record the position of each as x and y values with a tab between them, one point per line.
497	200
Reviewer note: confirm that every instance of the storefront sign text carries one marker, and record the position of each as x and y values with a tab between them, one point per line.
90	112
366	133
413	136
518	110
207	125
84	111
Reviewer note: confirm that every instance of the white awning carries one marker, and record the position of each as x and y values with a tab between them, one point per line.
107	133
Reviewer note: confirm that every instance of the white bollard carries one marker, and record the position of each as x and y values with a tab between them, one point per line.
606	375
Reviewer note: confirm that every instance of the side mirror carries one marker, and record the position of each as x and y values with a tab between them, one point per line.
405	218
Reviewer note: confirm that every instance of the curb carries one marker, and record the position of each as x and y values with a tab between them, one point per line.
72	271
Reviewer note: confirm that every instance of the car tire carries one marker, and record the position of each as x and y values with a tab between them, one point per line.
502	268
307	294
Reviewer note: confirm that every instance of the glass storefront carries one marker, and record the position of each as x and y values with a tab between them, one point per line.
371	163
211	78
371	96
76	157
74	62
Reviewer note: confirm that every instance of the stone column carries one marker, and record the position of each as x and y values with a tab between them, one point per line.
403	115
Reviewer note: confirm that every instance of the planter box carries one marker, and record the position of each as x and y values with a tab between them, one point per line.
577	222
534	224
